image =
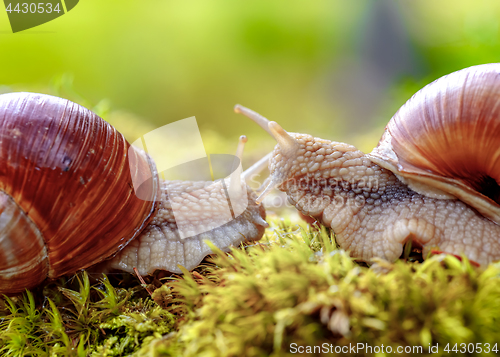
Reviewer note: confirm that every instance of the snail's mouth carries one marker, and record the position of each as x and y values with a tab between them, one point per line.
412	251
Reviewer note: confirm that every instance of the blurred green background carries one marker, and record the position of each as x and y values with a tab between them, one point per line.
336	69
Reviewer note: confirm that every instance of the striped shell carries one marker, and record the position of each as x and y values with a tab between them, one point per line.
67	199
447	136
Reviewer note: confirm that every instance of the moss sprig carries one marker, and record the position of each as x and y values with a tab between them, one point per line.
297	287
100	320
293	287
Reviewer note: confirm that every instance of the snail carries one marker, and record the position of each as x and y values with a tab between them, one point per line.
433	179
68	200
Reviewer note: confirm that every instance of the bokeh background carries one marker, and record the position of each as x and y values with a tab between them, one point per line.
336	69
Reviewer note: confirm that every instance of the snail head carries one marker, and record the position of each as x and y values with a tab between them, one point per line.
285	158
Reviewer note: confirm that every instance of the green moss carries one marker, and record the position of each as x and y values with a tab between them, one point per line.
295	287
98	321
300	289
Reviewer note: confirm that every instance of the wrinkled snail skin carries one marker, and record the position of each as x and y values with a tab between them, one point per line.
67	199
201	210
373	213
160	247
433	178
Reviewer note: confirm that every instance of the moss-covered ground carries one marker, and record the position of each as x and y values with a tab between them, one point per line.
292	293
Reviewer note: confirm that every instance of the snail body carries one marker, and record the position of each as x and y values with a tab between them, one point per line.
67	198
433	179
160	247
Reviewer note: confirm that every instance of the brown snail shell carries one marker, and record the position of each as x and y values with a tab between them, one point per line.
67	195
447	136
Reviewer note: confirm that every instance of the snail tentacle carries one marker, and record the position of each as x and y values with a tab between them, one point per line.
236	175
256	117
286	142
256	168
285	154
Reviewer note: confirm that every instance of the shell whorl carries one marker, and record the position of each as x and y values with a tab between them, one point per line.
447	136
65	172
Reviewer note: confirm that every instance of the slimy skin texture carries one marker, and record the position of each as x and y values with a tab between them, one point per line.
202	207
371	211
